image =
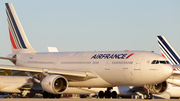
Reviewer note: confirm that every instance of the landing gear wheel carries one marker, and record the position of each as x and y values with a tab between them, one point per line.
45	94
51	95
114	95
101	94
57	95
150	96
146	96
107	94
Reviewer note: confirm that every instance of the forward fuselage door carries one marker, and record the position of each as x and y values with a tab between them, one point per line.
138	63
107	65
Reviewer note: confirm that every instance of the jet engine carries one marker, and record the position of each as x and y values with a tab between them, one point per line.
158	88
55	84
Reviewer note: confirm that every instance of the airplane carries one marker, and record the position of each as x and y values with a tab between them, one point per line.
56	71
127	91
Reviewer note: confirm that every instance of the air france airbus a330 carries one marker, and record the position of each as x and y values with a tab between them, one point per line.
57	71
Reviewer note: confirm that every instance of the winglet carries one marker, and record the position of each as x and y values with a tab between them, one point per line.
53	49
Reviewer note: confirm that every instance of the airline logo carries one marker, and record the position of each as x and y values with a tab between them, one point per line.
111	56
14	32
167	51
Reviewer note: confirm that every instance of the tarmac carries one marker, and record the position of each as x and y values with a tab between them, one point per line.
81	99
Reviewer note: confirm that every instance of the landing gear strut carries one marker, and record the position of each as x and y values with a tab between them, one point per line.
147	94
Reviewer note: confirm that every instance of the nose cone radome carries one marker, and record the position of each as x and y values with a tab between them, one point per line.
167	71
162	74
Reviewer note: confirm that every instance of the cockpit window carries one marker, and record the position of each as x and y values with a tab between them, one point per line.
167	62
159	62
162	62
153	62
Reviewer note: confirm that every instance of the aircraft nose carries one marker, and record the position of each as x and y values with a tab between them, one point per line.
168	70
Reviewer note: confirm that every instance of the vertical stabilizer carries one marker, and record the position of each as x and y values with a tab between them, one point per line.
17	35
168	51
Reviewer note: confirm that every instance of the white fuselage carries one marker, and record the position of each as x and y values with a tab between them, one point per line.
118	68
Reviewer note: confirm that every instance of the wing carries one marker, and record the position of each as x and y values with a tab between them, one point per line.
81	74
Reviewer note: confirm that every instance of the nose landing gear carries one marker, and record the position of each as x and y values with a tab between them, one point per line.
147	94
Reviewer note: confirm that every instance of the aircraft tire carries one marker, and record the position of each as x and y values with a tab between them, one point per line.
45	94
150	96
114	94
146	96
30	95
107	94
101	94
58	96
51	95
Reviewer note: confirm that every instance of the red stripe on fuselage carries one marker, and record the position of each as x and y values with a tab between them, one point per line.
129	55
12	40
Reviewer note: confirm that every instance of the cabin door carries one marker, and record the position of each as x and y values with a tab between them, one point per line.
107	65
138	63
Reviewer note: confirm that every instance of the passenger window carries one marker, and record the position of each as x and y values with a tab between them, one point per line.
162	62
153	62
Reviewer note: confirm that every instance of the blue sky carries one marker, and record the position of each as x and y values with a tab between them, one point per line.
88	25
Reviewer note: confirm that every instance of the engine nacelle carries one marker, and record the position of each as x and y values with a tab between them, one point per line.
55	84
159	88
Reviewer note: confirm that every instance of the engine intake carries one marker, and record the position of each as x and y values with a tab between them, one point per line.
55	84
159	88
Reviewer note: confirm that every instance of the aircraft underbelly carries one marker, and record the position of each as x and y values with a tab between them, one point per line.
95	82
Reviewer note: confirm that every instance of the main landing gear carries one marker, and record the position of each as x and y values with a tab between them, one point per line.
107	94
49	95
